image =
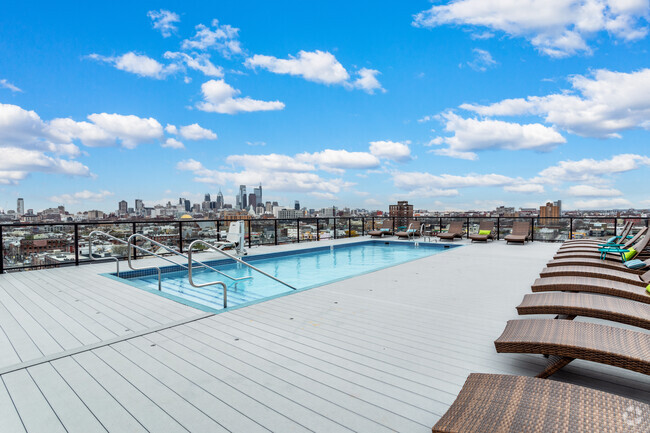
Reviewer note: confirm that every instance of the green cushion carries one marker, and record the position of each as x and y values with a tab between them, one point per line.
647	289
631	253
484	232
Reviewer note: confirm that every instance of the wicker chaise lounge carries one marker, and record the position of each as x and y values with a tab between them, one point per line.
639	242
629	243
484	226
591	285
571	305
597	263
520	232
497	403
412	230
386	229
589	242
623	276
566	340
455	231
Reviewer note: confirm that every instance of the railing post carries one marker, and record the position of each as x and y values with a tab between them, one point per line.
467	234
615	226
275	230
317	229
363	226
532	229
393	224
134	231
218	231
350	227
373	223
334	219
498	228
76	244
571	228
2	253
297	230
180	236
250	233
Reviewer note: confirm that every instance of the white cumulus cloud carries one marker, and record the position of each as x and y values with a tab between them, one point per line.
472	135
7	85
81	196
592	191
592	170
482	60
603	203
196	132
164	20
330	159
198	62
393	150
138	64
557	28
221	37
172	143
600	106
220	97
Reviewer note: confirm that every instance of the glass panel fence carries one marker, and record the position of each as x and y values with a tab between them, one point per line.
262	232
356	225
597	228
308	230
552	229
287	231
38	246
103	247
165	233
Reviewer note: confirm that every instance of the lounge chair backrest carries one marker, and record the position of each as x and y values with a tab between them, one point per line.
520	228
455	227
635	238
486	225
642	244
626	231
414	226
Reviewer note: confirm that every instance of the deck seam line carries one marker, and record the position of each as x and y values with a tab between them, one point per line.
99	344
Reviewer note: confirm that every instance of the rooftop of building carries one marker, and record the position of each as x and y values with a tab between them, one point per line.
384	351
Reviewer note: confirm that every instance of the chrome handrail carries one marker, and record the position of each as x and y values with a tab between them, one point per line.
238	260
139	235
90	247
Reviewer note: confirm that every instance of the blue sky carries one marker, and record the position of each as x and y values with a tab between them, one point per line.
467	104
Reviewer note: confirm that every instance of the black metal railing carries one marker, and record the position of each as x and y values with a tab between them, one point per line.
41	245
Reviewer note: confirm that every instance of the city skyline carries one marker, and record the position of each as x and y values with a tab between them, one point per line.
449	106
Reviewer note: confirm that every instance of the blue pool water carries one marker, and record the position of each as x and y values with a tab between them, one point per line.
301	269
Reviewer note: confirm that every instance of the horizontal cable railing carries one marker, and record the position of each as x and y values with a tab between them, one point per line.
41	245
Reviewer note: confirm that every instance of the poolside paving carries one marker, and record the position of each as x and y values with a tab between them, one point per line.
385	351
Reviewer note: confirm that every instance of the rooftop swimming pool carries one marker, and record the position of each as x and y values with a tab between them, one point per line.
301	269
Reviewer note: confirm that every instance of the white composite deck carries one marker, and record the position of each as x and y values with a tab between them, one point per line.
386	351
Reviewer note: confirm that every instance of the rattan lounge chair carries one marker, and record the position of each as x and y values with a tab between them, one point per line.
566	340
412	230
571	305
597	263
639	245
483	227
496	403
623	276
591	285
596	248
520	232
455	231
386	229
619	239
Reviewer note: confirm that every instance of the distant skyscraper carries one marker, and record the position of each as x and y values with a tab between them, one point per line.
296	205
188	205
252	199
207	197
123	207
139	205
20	207
241	198
258	194
220	202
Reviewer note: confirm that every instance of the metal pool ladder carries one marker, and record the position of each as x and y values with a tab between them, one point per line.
238	260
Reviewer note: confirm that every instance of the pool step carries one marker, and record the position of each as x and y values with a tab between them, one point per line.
210	296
